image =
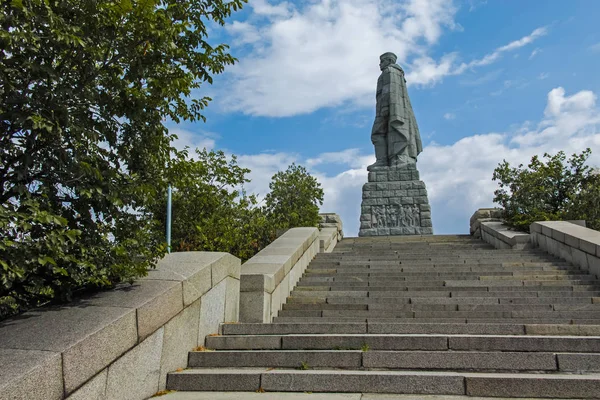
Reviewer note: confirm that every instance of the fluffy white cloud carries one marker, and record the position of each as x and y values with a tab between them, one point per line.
244	32
263	7
349	157
458	176
193	140
263	166
324	53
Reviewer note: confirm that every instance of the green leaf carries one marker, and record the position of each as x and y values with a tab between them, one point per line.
17	4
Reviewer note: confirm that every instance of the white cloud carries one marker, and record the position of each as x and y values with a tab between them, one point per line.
595	47
193	140
263	7
535	52
539	32
543	75
426	71
324	53
449	116
517	44
349	157
458	176
243	32
474	4
263	166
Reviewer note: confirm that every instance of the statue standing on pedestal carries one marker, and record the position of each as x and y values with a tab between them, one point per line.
395	132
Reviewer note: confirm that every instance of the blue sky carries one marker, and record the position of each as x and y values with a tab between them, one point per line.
488	80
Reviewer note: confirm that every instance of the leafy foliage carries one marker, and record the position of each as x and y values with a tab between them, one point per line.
549	190
211	211
294	198
85	89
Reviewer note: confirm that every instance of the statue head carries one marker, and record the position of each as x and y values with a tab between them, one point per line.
387	59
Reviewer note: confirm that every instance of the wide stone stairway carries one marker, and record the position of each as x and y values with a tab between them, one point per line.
446	315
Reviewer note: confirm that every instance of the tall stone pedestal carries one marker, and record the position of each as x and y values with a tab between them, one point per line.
395	203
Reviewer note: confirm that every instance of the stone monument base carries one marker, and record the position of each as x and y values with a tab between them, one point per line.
395	203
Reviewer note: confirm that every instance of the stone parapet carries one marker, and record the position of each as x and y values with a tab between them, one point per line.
120	343
484	215
395	202
268	278
331	220
502	237
574	243
330	232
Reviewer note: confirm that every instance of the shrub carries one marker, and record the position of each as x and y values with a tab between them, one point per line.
548	190
86	87
294	198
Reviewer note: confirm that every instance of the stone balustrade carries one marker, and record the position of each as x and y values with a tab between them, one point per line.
121	343
268	278
574	243
502	237
331	232
484	215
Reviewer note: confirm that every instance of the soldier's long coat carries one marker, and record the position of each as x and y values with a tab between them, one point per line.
394	115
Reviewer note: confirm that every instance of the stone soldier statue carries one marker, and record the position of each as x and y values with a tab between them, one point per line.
395	132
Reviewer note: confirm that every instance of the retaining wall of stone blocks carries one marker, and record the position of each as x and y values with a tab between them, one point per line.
501	237
120	344
331	232
576	244
328	238
268	278
483	215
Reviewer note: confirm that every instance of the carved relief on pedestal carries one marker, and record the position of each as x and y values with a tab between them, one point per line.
393	216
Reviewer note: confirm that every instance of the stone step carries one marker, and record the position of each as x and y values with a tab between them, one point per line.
454	292
413	382
428	314
379	282
396	360
317	396
545	321
441	300
323	327
418	276
393	290
463	268
384	254
450	306
443	260
419	260
533	343
424	253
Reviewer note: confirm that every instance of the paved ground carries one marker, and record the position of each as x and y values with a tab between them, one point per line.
315	396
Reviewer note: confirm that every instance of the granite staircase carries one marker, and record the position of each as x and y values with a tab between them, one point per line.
445	315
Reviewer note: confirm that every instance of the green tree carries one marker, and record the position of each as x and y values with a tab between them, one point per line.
85	90
211	211
548	190
294	198
586	205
